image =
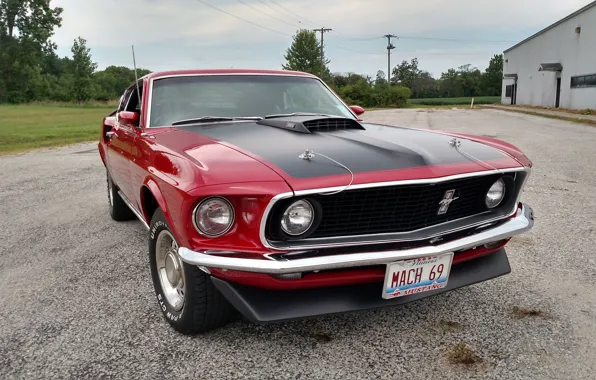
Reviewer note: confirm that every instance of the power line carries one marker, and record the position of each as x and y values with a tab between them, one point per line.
389	48
280	12
344	37
266	14
295	14
350	38
355	51
454	39
270	7
245	20
322	30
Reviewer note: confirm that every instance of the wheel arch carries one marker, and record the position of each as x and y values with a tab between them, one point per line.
102	153
151	199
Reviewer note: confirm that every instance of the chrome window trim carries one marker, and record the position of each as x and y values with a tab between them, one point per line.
150	88
391	237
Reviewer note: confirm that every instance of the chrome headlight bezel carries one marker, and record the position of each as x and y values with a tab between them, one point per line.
310	224
503	190
226	203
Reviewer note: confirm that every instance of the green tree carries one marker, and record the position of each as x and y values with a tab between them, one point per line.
82	70
26	27
492	78
471	79
305	55
405	73
449	84
380	80
111	82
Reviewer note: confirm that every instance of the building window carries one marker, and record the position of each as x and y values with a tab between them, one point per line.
509	91
583	81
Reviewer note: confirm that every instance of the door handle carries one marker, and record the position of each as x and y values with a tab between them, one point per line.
110	134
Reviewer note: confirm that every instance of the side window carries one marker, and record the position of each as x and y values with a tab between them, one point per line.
133	104
124	100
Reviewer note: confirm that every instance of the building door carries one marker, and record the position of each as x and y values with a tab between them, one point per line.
558	94
514	95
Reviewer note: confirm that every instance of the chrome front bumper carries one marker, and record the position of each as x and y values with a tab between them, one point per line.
521	222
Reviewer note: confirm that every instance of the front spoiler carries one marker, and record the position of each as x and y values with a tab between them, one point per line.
268	306
521	222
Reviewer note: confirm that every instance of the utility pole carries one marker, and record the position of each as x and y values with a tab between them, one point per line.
322	30
389	48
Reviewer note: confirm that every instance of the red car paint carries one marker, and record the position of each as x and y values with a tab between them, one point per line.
178	169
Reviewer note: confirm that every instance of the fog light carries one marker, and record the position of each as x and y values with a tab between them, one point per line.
494	244
287	276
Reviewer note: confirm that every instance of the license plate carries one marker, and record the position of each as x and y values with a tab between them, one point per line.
407	277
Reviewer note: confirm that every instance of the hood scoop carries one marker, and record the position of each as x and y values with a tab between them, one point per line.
310	124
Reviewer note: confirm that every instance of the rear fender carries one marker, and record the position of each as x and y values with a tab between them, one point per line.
106	125
102	153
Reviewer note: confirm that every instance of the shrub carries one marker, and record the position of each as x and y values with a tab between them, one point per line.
456	101
365	95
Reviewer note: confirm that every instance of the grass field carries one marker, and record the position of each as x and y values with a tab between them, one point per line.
454	101
26	127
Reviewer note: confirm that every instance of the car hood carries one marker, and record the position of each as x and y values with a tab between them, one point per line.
373	153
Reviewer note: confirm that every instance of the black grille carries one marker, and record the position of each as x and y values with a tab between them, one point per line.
401	208
331	124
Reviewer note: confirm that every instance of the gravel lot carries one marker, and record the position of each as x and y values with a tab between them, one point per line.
77	301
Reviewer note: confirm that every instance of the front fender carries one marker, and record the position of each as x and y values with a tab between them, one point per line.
152	189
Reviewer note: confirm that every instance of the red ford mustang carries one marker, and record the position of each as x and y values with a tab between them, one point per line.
265	194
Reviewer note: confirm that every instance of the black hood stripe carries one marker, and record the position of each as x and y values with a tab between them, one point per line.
376	148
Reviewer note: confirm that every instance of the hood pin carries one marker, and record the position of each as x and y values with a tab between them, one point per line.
307	155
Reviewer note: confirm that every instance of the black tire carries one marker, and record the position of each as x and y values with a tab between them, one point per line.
204	308
119	211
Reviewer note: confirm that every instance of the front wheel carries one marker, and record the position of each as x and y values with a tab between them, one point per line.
186	296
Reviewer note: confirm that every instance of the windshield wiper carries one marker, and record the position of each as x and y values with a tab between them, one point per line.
295	114
209	119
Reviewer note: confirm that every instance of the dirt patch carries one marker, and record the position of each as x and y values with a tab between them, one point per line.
521	241
462	354
522	312
450	324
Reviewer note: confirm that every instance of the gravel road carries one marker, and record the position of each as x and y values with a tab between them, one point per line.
77	300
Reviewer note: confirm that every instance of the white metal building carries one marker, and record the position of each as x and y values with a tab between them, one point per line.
555	67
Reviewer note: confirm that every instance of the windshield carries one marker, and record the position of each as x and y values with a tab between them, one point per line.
190	97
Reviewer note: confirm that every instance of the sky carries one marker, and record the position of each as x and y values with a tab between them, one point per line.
186	34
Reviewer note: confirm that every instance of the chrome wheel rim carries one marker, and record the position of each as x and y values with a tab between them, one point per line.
169	269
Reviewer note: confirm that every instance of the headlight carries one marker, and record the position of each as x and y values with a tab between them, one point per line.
495	194
298	218
213	217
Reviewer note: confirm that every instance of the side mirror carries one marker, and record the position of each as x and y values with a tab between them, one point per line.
357	110
128	117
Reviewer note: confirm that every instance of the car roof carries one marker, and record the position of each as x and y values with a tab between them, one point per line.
161	74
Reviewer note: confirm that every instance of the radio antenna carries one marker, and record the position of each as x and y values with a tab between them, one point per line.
134	62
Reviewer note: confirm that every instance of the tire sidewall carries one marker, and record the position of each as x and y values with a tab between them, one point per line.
159	224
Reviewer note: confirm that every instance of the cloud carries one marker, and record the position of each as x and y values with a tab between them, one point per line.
188	33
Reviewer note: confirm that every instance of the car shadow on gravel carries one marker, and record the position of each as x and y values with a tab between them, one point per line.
470	329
